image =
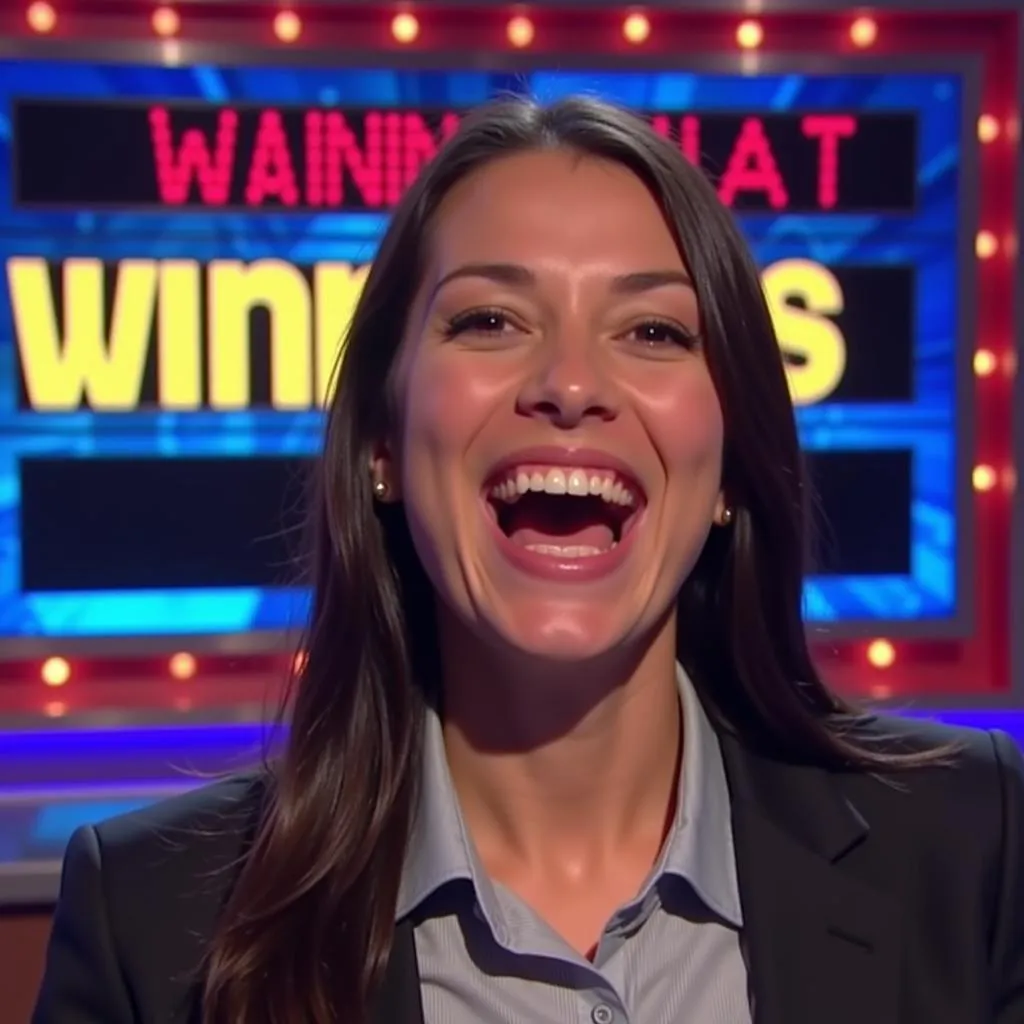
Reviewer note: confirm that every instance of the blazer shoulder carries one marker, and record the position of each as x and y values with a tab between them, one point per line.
968	749
178	858
970	790
140	897
211	818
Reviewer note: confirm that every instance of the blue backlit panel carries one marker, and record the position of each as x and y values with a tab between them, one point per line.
892	257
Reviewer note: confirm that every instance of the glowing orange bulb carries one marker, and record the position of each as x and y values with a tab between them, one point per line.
41	17
405	28
881	653
983	478
55	671
287	26
182	665
636	28
988	128
749	35
985	245
984	362
863	32
520	31
166	21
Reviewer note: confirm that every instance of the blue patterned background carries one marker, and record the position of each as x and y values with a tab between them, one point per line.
927	240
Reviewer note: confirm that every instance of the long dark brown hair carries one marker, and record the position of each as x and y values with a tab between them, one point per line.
308	927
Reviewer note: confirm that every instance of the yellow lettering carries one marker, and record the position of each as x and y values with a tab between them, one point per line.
336	290
235	289
806	333
78	360
179	336
85	363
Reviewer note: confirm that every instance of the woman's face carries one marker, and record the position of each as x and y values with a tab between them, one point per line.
560	453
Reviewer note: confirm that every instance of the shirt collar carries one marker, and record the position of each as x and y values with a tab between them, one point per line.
699	847
439	849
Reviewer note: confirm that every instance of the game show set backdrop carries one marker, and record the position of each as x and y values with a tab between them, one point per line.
182	249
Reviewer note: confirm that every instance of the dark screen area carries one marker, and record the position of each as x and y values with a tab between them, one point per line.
864	519
125	524
116	524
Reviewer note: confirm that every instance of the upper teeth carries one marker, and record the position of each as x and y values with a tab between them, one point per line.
577	482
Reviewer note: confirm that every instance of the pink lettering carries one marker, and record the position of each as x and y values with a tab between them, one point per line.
828	129
175	171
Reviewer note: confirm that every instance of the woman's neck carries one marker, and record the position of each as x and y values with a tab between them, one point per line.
559	773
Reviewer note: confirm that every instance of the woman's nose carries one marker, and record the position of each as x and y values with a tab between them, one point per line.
569	385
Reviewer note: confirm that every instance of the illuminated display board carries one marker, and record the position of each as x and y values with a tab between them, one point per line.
183	248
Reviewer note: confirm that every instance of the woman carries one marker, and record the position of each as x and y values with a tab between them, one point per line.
559	752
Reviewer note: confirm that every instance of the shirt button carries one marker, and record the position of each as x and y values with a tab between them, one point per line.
602	1014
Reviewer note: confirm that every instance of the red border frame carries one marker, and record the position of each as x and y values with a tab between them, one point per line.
974	668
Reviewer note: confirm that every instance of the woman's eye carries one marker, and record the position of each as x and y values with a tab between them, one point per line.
480	321
655	333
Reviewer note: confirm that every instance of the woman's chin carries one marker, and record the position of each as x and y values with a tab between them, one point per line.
564	635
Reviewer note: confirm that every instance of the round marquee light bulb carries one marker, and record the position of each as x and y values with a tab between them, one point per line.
749	35
41	17
287	26
182	665
881	653
983	478
985	245
863	32
636	28
984	362
988	128
405	27
166	21
55	671
520	31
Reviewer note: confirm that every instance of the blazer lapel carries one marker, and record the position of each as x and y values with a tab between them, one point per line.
821	944
398	1000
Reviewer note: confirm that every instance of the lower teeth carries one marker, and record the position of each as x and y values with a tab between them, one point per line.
573	551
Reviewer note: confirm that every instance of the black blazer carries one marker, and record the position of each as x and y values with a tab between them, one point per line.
865	901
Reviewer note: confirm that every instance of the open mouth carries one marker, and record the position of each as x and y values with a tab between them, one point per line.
566	512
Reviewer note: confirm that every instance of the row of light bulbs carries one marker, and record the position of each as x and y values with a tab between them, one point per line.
56	671
405	27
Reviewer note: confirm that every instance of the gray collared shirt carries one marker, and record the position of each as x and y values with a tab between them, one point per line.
672	955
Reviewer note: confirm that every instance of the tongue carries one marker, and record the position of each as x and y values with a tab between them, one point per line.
558	522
